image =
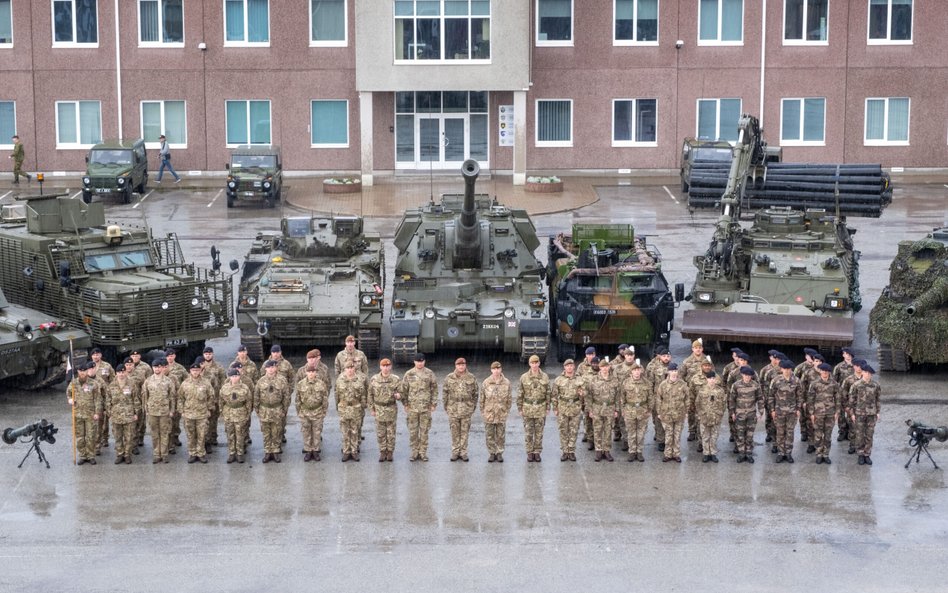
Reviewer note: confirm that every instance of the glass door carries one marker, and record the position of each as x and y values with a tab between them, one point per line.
442	140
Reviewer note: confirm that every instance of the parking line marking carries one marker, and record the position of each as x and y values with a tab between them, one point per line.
670	195
144	197
6	194
217	195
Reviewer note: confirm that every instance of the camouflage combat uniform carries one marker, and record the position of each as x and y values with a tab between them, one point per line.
865	400
710	405
841	372
635	403
89	400
655	373
696	381
285	370
124	403
177	372
745	401
689	369
822	402
672	407
602	401
806	373
158	399
567	400
356	356
194	405
105	373
495	403
533	403
767	374
351	399
419	392
459	394
269	397
217	376
236	403
585	370
312	403
382	401
726	375
786	399
846	404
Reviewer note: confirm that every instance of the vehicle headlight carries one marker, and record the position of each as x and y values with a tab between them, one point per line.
251	300
86	180
120	181
366	299
429	313
164	306
266	185
705	297
195	302
232	184
508	312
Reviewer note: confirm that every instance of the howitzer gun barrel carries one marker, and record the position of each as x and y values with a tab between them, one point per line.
468	253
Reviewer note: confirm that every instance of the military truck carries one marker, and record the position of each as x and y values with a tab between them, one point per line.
127	289
314	282
116	167
607	288
910	319
466	277
255	173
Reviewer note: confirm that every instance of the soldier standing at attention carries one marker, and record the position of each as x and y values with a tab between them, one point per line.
158	398
602	400
312	402
86	395
141	370
351	399
586	370
314	360
635	403
141	423
236	401
711	403
726	383
495	406
249	368
655	373
767	374
672	395
620	370
806	372
823	405
866	401
284	369
269	396
216	374
785	395
124	403
746	406
845	395
382	403
18	156
177	372
688	370
459	397
194	404
695	382
533	403
418	391
567	402
743	360
351	353
841	372
104	374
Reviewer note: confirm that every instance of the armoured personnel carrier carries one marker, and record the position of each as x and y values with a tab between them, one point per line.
317	280
607	288
467	277
126	288
910	319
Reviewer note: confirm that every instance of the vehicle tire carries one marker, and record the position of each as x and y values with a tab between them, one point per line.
271	201
87	197
127	195
230	202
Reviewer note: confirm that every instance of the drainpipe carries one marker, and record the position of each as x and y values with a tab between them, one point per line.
763	60
118	71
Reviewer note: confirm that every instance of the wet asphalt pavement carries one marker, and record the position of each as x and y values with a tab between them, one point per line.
438	526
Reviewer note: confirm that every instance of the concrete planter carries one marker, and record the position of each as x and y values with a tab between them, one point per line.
342	188
544	188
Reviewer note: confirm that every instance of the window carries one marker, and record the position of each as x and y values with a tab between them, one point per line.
636	21
75	23
474	103
554	122
805	22
803	122
160	22
6	23
164	117
248	122
78	124
247	22
327	23
887	122
330	124
634	122
7	123
442	30
721	22
718	118
554	22
890	21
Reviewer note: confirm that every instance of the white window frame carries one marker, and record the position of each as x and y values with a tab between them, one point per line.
572	28
801	142
885	124
717	117
9	44
246	43
339	43
536	127
635	102
141	119
161	14
888	40
804	41
5	143
442	17
718	42
635	18
73	43
249	126
76	145
312	123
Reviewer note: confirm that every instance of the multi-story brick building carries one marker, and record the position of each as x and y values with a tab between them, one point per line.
383	85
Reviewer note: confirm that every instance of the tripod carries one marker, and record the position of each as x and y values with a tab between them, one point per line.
920	444
42	456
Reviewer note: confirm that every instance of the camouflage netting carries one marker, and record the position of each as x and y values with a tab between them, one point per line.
918	277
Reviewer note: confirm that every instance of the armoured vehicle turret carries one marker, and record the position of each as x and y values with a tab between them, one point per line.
607	288
466	277
312	283
910	319
791	278
127	289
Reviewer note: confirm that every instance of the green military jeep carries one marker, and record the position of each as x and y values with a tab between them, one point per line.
255	172
116	167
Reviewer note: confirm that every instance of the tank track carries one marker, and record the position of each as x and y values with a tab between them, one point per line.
893	359
530	345
370	342
254	344
42	378
404	350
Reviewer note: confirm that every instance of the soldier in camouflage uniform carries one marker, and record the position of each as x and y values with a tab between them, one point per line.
602	401
841	372
352	396
746	406
382	404
105	373
459	397
697	380
351	353
312	402
142	423
586	370
567	402
786	399
158	398
865	401
195	406
314	360
177	372
533	403
822	403
742	360
655	373
711	403
672	395
236	401
620	370
495	403
726	383
217	376
845	396
124	402
418	391
270	398
690	369
285	370
250	371
766	375
86	395
635	404
806	372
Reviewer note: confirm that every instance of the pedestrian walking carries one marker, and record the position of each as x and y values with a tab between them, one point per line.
164	160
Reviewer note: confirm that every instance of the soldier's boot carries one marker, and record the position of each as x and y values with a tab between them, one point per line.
390	456
661	446
316	456
172	450
572	456
598	456
464	457
155	460
231	458
819	460
355	456
91	461
640	456
666	459
780	459
862	460
240	459
700	448
177	442
705	458
803	437
455	457
275	457
868	460
827	460
811	449
585	438
749	458
740	458
616	436
625	445
536	457
731	439
203	458
608	456
492	458
789	458
192	459
307	456
266	458
691	437
632	457
128	460
529	457
135	450
346	457
852	449
500	458
714	459
382	456
119	459
737	450
592	445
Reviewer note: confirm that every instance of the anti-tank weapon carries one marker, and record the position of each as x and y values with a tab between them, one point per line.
919	437
35	432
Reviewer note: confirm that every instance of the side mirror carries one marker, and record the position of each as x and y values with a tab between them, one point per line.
679	292
227	166
234	265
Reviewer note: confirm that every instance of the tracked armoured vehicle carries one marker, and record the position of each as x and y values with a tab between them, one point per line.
314	282
607	288
466	277
910	319
126	288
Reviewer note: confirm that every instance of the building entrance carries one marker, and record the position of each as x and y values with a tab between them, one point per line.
440	130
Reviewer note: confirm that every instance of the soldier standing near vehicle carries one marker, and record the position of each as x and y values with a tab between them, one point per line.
141	370
806	372
418	391
697	380
351	399
249	371
85	394
194	405
635	404
602	401
141	423
382	403
655	373
620	370
312	403
495	403
726	383
767	374
688	370
785	395
269	397
351	353
236	401
866	401
841	372
216	374
104	374
124	404
177	372
314	360
533	403
284	369
459	397
586	370
710	404
567	402
845	396
158	399
746	406
672	395
823	405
